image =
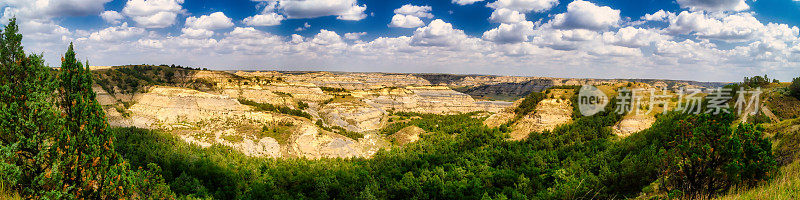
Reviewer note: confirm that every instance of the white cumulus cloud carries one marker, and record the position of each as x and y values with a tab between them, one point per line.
734	27
153	13
343	9
117	33
268	19
465	2
55	8
437	33
634	37
524	5
504	15
112	17
714	5
417	11
214	21
197	33
586	15
510	33
406	21
204	26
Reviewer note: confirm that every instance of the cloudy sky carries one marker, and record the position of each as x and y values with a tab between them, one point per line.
708	40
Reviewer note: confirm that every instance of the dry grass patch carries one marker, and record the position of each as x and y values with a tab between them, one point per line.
785	186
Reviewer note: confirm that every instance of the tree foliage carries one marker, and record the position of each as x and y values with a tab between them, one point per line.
55	140
275	108
28	120
794	88
756	81
529	103
705	156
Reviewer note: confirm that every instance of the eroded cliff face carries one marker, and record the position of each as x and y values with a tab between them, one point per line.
216	116
348	81
549	114
407	135
206	119
431	99
633	123
354	116
314	144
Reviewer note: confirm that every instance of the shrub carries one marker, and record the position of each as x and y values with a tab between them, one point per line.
529	103
332	90
794	88
275	108
705	156
302	105
756	81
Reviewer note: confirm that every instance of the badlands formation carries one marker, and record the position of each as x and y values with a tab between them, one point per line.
346	110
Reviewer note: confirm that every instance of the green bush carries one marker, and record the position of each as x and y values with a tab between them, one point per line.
794	88
302	105
705	156
756	81
529	103
332	90
274	108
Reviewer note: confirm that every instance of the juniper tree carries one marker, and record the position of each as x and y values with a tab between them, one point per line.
706	156
29	120
87	147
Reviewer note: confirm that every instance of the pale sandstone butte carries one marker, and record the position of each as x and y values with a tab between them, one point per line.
549	114
633	123
407	135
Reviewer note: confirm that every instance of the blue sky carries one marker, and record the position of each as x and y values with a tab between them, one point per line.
708	40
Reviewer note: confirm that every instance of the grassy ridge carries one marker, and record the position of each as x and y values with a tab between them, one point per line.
785	186
135	78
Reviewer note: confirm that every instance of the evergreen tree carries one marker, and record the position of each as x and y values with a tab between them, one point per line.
87	146
28	120
66	153
705	156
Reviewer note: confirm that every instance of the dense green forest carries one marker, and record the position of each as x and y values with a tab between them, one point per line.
56	144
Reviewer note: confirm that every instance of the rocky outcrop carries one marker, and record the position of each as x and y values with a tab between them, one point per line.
503	117
432	99
206	119
407	135
168	105
633	123
353	116
549	114
313	144
511	88
260	96
256	147
349	81
497	119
